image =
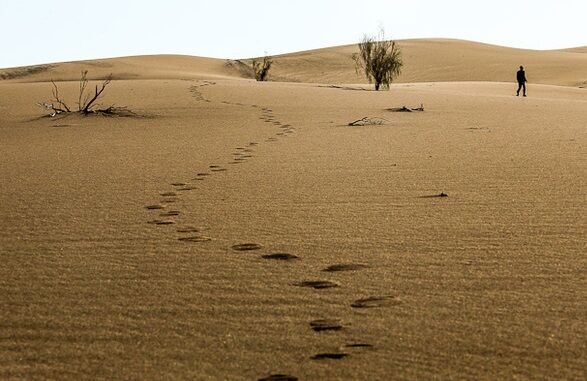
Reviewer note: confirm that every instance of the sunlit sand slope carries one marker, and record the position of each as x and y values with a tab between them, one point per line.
426	60
433	60
138	67
243	229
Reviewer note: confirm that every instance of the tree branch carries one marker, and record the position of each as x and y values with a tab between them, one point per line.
57	99
87	106
83	82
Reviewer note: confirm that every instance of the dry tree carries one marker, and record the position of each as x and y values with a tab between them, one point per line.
87	99
261	69
379	58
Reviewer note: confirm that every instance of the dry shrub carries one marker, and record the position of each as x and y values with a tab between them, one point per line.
261	69
380	59
86	102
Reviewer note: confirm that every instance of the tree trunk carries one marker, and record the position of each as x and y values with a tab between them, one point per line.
377	84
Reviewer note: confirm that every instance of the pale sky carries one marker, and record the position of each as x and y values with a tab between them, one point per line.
45	31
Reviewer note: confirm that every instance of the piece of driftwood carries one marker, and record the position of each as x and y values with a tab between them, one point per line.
368	121
407	109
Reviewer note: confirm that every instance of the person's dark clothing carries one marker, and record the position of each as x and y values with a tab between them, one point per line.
521	76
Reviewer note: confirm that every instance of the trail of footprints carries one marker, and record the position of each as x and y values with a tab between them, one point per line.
327	326
166	215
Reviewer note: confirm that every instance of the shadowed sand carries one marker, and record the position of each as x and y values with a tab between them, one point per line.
116	266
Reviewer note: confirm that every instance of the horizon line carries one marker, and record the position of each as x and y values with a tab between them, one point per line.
281	53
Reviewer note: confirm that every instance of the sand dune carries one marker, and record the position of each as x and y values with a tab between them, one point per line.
426	60
242	230
138	67
442	60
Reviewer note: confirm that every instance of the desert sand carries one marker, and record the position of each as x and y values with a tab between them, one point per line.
145	248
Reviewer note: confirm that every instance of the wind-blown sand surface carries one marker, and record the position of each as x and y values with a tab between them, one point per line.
487	283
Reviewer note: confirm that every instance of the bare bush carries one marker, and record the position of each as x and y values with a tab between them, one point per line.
380	59
407	109
369	121
87	100
261	69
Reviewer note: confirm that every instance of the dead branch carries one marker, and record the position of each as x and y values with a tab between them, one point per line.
87	101
368	121
116	111
51	107
63	107
407	109
83	82
98	92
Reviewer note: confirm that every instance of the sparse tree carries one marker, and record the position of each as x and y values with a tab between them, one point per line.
261	69
379	58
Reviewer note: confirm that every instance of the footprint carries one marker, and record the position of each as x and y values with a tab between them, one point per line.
218	169
345	267
154	207
168	194
376	301
186	188
188	229
161	222
440	195
329	356
359	345
178	184
246	247
214	166
279	377
171	213
202	174
195	238
317	284
326	325
281	256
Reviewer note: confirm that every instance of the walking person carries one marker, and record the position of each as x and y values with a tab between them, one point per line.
521	76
